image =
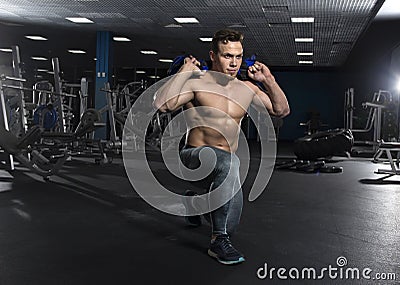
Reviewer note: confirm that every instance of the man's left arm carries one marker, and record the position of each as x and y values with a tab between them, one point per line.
275	99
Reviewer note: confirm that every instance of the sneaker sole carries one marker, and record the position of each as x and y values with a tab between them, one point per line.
213	254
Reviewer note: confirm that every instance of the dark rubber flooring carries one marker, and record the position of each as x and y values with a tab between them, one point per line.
88	226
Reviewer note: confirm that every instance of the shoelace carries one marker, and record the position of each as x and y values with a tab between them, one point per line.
227	246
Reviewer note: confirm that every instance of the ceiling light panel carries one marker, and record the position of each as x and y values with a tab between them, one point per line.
40	58
121	39
186	20
205	39
302	19
79	20
36	38
76	51
304	40
173	26
148	52
107	15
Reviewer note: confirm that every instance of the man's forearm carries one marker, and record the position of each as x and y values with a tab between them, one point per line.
278	98
166	98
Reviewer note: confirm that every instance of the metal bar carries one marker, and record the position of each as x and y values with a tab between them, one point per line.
4	122
111	118
38	90
5	77
21	97
58	88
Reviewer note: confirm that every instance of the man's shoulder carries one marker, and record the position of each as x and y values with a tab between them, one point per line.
255	85
251	83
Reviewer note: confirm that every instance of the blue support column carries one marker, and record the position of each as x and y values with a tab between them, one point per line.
103	75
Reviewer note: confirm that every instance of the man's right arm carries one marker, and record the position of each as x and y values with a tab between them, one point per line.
176	92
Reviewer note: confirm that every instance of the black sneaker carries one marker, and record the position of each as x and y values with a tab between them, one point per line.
224	252
191	220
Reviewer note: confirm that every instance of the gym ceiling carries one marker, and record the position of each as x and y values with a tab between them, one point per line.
338	29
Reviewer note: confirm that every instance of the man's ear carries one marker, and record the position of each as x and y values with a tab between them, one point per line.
212	56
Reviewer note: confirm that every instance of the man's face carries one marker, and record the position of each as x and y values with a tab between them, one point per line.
228	59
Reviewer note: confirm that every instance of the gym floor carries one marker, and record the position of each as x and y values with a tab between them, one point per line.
88	226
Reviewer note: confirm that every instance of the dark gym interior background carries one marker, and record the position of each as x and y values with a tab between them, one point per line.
88	226
352	47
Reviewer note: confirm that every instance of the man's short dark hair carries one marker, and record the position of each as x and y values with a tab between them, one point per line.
224	36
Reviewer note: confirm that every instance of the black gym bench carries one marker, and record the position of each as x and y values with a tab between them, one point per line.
20	149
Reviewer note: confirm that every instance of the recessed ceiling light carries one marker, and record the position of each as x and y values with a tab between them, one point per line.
148	52
121	39
187	20
140	71
79	20
303	40
173	26
36	38
205	39
305	53
305	62
5	49
154	76
238	25
38	58
76	51
165	60
302	20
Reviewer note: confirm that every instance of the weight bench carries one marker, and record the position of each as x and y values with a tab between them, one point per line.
88	124
388	147
81	130
31	158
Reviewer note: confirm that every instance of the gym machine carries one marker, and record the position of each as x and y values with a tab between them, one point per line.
55	110
22	147
50	132
381	121
119	103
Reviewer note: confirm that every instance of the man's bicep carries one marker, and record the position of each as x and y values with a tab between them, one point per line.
176	101
261	101
170	100
183	98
